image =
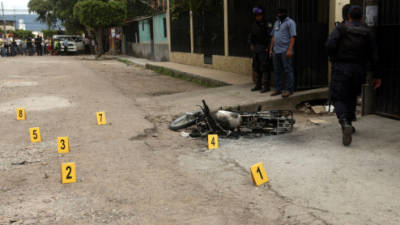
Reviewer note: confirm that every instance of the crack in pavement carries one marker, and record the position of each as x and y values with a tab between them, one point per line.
285	199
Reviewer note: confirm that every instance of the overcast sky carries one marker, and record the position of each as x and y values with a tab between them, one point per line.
15	4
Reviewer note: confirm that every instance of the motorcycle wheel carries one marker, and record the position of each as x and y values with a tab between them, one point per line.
184	121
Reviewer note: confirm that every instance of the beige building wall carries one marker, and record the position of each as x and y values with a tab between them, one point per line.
240	65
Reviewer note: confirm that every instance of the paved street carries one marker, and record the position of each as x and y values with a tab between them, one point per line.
135	171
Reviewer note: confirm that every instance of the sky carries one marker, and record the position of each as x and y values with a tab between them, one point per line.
15	4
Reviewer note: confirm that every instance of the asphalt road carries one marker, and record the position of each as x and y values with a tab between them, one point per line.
135	171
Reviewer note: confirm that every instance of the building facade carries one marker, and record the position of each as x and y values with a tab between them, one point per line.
147	37
215	35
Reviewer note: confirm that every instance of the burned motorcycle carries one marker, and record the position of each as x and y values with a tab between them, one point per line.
232	123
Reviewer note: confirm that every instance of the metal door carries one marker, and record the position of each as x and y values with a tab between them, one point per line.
388	35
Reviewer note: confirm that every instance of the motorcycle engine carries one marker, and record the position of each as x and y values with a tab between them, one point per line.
228	120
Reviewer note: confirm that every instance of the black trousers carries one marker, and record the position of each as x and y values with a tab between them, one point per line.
347	80
262	66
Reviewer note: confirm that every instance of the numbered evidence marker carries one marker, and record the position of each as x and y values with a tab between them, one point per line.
212	141
62	145
35	135
258	174
101	118
68	173
21	115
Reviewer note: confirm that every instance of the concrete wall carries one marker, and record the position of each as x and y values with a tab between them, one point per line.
142	50
161	52
161	43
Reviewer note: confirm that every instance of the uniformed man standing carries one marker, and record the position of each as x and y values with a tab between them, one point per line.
38	43
350	46
259	40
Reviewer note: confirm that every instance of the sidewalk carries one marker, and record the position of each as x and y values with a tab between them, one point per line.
232	90
229	97
210	77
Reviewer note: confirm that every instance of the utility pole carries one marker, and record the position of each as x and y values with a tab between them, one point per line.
4	21
15	20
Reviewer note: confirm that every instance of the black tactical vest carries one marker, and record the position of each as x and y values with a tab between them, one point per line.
260	33
354	44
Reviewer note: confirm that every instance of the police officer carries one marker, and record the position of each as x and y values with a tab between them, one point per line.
259	40
29	46
350	46
38	43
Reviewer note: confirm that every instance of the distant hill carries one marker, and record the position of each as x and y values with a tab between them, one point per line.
30	21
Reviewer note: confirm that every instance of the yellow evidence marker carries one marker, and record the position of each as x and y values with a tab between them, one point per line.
35	135
21	115
258	174
62	145
101	118
212	141
68	173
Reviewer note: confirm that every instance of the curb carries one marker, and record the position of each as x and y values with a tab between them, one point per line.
286	103
203	81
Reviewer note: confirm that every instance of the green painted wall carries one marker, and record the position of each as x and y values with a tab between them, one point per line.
159	29
144	31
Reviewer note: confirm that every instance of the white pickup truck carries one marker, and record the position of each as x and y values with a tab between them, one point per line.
75	43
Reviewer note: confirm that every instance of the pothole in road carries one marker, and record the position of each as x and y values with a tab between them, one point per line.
15	83
41	103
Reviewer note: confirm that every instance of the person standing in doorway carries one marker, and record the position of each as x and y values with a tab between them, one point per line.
259	40
350	46
282	52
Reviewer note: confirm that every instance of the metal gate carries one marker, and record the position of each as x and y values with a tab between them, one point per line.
312	18
388	35
208	28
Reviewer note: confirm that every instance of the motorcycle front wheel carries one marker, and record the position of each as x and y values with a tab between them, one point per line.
184	121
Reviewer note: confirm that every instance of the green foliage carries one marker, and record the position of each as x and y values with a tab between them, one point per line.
179	7
64	10
136	8
21	34
45	11
50	33
101	14
194	5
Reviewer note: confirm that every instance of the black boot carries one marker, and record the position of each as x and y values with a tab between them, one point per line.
347	130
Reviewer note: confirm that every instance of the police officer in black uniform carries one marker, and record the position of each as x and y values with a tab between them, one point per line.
38	43
350	46
259	40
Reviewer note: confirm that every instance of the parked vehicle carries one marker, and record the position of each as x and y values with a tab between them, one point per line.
75	43
227	123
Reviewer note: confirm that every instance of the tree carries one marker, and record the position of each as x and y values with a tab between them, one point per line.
137	8
50	33
99	15
64	10
45	11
